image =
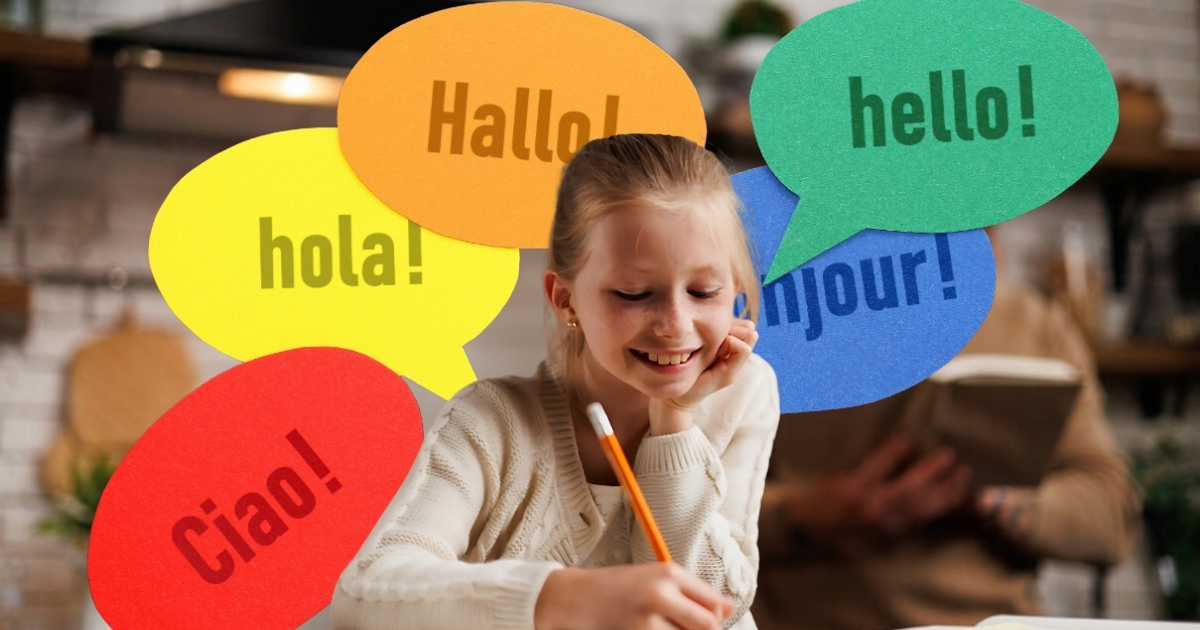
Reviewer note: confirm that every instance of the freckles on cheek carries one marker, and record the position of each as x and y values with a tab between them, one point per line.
620	325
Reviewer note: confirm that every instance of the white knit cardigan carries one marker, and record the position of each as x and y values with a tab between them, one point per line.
497	499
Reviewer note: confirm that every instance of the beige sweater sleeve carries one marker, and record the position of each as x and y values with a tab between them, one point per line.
710	529
412	577
1087	507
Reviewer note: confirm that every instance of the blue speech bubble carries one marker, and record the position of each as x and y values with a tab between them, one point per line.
870	317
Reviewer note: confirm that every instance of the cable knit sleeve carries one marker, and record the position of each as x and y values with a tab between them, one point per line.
414	575
705	485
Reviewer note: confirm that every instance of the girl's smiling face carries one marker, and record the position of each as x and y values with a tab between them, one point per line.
654	298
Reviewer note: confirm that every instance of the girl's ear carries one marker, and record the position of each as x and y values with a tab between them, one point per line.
558	294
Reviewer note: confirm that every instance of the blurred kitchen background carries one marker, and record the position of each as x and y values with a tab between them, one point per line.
113	101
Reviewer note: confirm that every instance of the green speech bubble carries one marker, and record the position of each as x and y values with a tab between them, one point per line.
927	116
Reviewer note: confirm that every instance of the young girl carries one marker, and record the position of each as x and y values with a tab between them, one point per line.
511	516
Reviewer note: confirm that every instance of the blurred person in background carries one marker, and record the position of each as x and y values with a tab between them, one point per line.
896	543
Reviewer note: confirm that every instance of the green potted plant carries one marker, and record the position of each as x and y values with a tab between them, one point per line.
756	17
73	515
750	31
747	34
1169	474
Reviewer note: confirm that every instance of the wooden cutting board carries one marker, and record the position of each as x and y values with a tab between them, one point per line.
118	385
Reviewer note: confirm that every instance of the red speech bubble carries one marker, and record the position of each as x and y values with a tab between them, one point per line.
240	506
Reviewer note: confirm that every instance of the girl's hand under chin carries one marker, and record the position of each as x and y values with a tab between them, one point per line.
672	415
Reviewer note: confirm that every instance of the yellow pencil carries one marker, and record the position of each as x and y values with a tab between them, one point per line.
616	458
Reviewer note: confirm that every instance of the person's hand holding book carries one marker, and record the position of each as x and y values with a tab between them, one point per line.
882	497
1009	508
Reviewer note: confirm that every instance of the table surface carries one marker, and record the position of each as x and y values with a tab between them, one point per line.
1014	622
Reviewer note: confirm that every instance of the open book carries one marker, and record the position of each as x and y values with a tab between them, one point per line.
1013	622
1002	414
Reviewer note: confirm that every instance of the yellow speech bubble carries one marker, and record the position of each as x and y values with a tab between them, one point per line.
462	120
274	244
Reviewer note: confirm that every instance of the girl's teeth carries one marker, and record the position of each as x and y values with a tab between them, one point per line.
666	359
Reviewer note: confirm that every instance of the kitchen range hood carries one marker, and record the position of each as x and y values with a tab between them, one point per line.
241	70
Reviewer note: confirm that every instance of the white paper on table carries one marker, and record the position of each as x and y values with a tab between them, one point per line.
1013	622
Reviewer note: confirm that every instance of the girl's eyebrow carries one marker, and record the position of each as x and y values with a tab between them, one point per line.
624	267
707	270
636	272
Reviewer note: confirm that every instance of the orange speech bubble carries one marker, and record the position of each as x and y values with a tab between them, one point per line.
463	119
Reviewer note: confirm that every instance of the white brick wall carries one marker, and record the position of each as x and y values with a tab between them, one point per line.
1154	40
17	477
82	206
28	435
20	520
83	17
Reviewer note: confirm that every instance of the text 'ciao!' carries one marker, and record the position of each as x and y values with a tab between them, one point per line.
257	518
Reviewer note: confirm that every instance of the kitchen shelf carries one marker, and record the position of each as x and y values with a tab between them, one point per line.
1162	374
1146	359
36	49
1180	163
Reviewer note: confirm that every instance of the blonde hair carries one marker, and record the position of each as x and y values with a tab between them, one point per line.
643	170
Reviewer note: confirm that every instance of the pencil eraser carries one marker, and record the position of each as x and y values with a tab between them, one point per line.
599	420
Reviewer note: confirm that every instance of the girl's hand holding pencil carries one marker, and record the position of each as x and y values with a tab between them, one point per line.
661	596
635	596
